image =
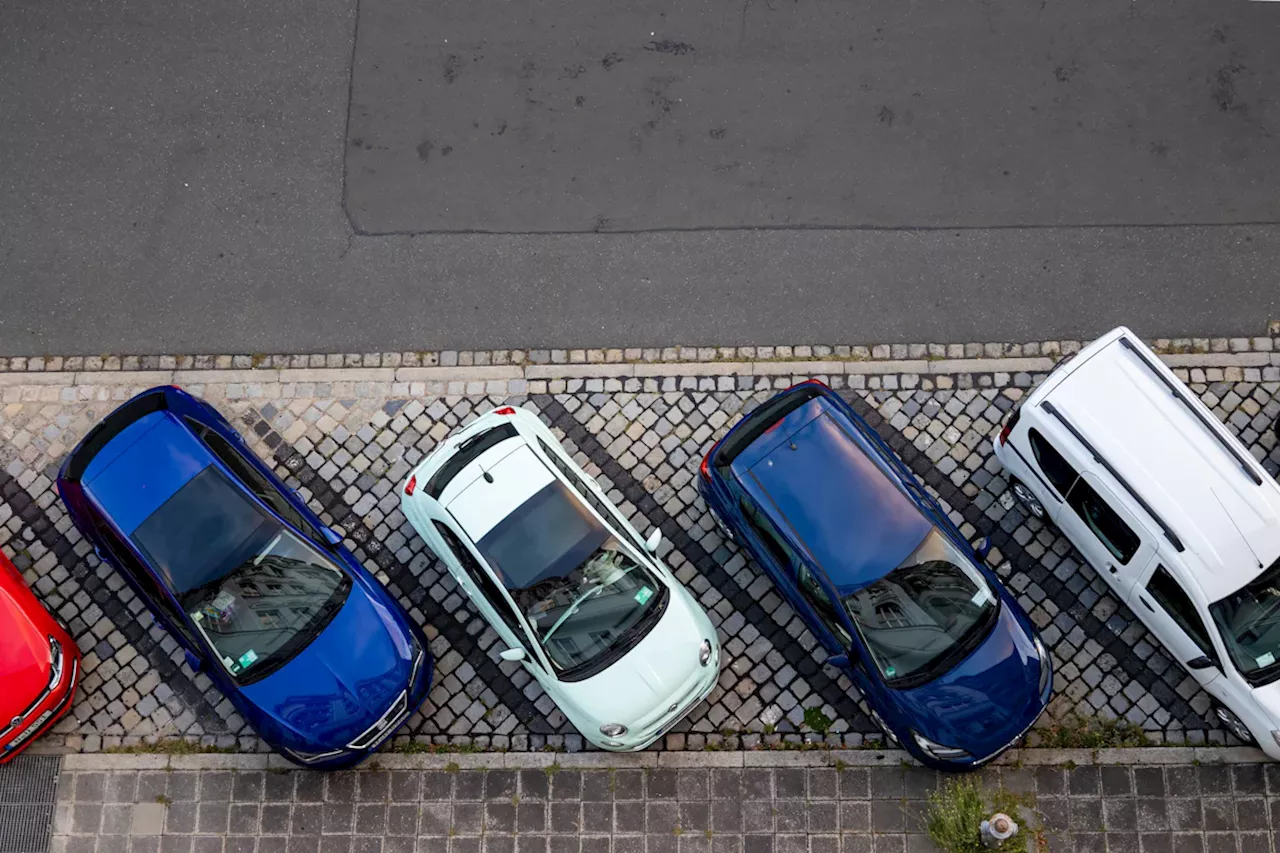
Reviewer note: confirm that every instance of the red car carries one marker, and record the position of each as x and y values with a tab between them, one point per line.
39	665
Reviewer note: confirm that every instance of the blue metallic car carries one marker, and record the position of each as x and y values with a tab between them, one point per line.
315	654
946	659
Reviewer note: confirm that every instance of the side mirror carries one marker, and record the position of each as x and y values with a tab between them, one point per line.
333	537
838	661
982	546
512	654
651	544
193	662
1202	662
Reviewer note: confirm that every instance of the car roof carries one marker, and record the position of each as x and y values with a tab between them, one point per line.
142	467
1228	522
515	474
816	478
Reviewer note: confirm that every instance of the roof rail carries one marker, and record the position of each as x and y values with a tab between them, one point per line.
1178	394
1168	531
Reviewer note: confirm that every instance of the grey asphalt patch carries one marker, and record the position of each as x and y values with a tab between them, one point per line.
484	115
173	183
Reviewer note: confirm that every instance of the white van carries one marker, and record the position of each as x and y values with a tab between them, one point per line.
1170	508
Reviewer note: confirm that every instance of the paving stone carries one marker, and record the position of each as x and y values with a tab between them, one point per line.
345	450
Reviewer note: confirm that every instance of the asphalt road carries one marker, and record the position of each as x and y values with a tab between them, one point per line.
173	175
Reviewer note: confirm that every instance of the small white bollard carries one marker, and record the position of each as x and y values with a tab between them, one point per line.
999	829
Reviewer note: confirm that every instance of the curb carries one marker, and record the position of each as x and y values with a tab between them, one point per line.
485	365
481	379
550	761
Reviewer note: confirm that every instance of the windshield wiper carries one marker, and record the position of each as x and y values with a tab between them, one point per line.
572	609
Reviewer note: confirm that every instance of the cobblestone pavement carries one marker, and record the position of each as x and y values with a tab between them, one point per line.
1180	808
345	439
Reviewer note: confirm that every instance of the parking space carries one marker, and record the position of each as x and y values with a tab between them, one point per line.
345	443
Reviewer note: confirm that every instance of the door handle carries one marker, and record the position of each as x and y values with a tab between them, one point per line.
1146	604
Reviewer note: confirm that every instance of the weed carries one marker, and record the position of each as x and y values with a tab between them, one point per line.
677	830
452	767
1080	733
163	800
840	765
552	769
816	720
957	810
414	747
173	746
955	813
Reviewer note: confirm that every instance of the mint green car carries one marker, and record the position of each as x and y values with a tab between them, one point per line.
574	592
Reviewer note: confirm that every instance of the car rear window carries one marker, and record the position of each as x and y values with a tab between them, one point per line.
467	452
109	428
760	420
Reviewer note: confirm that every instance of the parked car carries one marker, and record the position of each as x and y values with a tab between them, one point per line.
949	664
1169	508
39	665
573	591
316	655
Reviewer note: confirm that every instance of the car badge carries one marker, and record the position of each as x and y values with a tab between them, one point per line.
15	721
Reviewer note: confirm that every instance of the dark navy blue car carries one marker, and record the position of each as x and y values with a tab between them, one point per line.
949	663
314	653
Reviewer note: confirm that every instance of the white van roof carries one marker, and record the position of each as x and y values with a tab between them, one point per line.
1176	455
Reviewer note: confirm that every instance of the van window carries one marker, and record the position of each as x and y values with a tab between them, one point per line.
1056	469
1102	520
1171	596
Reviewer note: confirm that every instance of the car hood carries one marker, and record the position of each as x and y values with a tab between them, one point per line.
654	673
344	680
988	699
24	654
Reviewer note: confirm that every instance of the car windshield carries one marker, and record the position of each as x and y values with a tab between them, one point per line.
1249	621
580	591
256	592
924	614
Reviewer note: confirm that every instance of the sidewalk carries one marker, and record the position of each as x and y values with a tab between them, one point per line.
344	430
706	803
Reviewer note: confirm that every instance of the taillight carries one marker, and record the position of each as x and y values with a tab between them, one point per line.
505	410
705	468
1010	422
411	485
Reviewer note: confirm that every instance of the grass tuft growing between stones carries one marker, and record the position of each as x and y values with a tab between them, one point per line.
816	720
1081	733
171	746
956	813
